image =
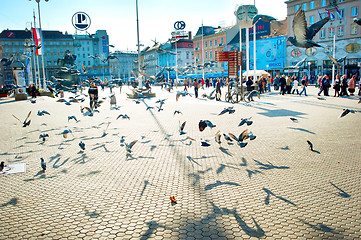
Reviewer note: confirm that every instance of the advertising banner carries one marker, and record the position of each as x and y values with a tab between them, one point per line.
270	52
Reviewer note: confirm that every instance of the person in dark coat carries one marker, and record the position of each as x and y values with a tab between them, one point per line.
249	84
218	90
325	84
283	85
344	86
33	91
337	86
93	95
196	87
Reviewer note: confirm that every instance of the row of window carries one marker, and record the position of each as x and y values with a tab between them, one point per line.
340	31
323	3
339	13
211	43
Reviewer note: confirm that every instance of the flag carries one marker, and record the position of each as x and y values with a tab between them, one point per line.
319	14
38	37
338	12
330	14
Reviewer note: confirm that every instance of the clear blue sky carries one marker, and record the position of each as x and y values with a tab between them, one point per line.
118	17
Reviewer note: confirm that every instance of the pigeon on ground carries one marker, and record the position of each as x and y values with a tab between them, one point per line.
310	145
230	110
43	164
82	145
251	136
227	137
345	112
247	121
26	121
149	107
43	136
295	120
124	116
205	123
303	35
72	117
122	140
33	101
181	128
160	108
2	165
211	95
42	113
130	145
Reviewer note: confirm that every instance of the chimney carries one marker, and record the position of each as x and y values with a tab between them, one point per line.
190	35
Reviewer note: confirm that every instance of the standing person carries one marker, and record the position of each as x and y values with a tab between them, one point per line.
196	87
185	82
283	85
249	84
295	85
337	86
344	86
93	95
218	90
276	82
207	82
304	85
288	85
202	83
352	85
269	81
325	85
359	88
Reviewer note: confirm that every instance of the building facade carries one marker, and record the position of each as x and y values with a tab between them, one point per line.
19	43
122	66
341	26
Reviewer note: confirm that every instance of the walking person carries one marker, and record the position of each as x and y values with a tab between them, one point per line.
352	85
288	85
283	85
295	86
276	82
33	91
185	81
196	87
304	85
269	82
344	86
337	86
93	96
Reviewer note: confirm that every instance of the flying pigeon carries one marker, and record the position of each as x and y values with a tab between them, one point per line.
41	113
303	35
230	110
33	101
124	116
217	137
357	21
251	136
43	164
149	107
43	136
72	117
82	145
122	140
252	94
211	95
181	93
264	18
345	112
204	143
177	112
247	121
298	64
310	145
181	128
130	145
66	132
26	122
160	108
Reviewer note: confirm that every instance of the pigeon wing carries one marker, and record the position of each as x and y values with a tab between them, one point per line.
132	144
182	126
299	25
243	135
27	117
314	28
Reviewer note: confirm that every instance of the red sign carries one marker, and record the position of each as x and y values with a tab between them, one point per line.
10	34
221	56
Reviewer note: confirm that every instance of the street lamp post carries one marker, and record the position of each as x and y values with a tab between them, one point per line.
309	70
138	45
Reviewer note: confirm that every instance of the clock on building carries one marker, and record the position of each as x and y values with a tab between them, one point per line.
241	13
252	11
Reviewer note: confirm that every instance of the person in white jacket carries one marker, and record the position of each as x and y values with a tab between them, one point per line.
295	86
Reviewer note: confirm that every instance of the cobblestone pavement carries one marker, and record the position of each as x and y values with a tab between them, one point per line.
273	188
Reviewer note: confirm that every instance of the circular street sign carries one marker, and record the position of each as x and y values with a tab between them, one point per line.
179	25
81	21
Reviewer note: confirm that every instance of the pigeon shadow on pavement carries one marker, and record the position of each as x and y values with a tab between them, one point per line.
192	160
250	172
89	173
321	227
152	227
12	201
342	193
57	166
223	166
302	130
269	166
80	159
269	193
219	183
225	150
